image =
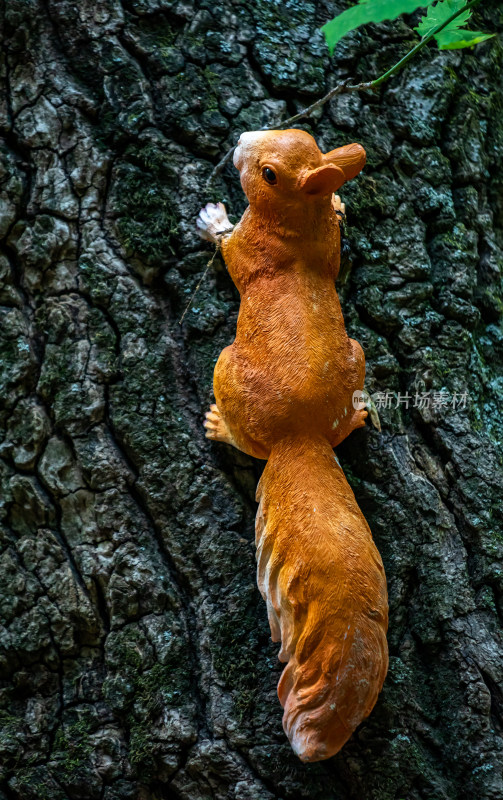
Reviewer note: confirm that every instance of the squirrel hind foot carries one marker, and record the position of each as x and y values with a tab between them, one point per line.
216	427
212	222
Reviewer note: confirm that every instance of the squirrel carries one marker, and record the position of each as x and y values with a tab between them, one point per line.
284	392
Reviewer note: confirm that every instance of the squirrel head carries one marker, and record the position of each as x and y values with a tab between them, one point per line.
279	168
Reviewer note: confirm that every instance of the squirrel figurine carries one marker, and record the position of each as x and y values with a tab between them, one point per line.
284	392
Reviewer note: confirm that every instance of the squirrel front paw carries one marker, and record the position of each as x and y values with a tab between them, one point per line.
338	206
213	222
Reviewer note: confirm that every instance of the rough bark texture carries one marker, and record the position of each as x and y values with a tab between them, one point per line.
136	659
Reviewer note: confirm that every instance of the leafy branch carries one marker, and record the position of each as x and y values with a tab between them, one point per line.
443	22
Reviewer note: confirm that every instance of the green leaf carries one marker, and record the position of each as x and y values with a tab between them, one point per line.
455	40
440	13
367	11
452	37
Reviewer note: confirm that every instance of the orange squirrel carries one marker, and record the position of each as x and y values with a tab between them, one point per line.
284	392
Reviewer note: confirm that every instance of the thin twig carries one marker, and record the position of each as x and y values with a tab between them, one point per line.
201	279
339	89
421	44
345	87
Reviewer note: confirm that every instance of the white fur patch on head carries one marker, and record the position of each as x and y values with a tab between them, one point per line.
244	141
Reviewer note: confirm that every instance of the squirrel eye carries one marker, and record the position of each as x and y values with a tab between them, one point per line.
269	175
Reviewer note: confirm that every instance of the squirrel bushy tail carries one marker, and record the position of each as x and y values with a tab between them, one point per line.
322	578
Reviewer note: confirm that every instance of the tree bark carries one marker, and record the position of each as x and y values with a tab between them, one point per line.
136	660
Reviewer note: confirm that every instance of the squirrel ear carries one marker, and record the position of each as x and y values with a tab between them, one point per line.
322	181
350	159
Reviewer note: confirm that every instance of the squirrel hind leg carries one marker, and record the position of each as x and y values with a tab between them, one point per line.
213	222
216	427
358	418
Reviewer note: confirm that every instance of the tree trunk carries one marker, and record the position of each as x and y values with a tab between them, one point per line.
136	657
